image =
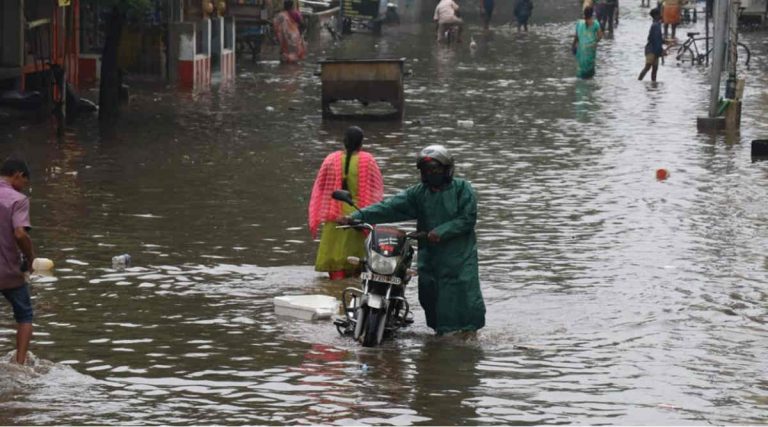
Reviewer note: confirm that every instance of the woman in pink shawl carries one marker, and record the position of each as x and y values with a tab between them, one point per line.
287	26
353	170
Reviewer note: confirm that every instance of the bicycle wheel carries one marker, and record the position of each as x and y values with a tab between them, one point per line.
746	52
685	53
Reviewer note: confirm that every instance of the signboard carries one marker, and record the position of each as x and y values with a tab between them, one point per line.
360	8
63	3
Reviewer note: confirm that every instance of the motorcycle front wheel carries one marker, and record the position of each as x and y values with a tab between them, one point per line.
361	316
373	327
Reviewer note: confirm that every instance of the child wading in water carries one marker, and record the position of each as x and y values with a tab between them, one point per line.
653	49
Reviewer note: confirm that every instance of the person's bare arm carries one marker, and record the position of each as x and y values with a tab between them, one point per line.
25	244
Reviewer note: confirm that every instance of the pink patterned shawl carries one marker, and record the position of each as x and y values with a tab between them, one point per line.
322	208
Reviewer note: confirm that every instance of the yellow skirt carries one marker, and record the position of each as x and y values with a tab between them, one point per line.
336	245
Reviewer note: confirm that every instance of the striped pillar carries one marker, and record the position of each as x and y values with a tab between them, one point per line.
194	66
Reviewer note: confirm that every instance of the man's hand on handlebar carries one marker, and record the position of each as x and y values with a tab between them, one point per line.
433	237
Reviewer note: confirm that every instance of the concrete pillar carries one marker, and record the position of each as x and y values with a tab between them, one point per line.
227	63
183	51
720	19
193	60
204	27
203	58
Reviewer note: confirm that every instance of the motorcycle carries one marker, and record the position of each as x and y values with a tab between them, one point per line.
380	307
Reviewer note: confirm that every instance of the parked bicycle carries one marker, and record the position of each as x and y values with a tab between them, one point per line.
689	51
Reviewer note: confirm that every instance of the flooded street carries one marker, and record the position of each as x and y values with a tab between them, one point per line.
612	298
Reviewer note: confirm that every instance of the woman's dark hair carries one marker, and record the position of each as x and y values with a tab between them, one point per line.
13	165
288	5
655	13
588	12
353	140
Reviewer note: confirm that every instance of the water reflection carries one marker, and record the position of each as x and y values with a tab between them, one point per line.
446	375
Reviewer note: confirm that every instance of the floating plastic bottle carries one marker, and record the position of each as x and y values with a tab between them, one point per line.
121	261
42	264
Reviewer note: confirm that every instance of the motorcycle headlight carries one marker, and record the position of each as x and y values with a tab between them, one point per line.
381	264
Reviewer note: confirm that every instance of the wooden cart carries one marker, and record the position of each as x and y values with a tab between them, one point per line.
365	80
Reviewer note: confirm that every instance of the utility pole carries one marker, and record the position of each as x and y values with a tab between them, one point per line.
707	13
60	71
724	58
733	40
720	20
734	87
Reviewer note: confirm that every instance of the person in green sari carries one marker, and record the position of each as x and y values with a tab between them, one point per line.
588	33
353	170
445	208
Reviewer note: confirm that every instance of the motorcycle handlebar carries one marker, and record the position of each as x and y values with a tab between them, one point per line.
356	224
361	225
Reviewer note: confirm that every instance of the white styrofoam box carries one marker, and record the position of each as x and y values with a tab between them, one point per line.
306	307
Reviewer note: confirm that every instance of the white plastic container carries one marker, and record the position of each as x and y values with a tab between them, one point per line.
306	307
42	264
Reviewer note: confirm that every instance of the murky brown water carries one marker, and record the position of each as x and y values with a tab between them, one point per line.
612	298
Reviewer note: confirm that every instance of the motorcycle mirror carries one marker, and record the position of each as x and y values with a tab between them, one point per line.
343	196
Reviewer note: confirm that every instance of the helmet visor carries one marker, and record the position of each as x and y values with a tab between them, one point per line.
429	165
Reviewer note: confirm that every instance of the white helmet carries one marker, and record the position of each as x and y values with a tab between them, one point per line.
439	154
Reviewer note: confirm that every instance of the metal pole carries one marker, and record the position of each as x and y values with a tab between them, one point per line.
62	107
720	19
706	28
733	36
733	39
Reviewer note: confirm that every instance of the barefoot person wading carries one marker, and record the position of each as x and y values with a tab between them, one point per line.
14	241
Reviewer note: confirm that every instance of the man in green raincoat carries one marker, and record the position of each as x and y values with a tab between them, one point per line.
446	208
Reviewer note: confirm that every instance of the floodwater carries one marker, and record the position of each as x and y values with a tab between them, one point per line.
612	298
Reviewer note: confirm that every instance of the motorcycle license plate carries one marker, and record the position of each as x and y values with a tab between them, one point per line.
380	278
